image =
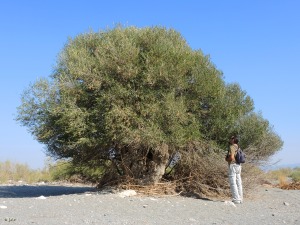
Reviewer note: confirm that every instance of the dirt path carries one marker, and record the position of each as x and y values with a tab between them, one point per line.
47	205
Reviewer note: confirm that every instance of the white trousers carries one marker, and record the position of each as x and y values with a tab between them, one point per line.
235	180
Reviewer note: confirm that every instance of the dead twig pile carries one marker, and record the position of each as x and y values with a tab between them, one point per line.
198	174
158	189
291	186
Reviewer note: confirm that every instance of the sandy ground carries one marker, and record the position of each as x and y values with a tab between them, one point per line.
61	204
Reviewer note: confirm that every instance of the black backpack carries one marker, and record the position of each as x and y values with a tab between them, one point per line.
240	156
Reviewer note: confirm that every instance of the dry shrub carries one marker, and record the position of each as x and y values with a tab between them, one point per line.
195	175
157	189
252	177
282	172
282	180
206	175
14	172
200	175
112	180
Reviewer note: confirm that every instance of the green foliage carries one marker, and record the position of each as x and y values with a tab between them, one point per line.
61	170
142	94
258	137
295	175
64	170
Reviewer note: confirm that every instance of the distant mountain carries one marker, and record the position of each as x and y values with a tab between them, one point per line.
294	165
280	166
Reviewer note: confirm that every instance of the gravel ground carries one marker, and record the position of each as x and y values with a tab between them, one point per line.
54	204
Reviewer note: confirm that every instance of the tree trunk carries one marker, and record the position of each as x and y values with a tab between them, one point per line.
149	169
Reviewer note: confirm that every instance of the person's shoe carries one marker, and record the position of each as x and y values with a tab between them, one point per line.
237	202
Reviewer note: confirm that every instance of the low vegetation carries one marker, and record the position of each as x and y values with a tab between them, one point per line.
11	172
285	176
208	182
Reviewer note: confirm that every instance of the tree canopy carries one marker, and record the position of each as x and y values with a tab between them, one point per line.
127	99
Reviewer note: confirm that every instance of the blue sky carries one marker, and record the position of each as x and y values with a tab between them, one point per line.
255	43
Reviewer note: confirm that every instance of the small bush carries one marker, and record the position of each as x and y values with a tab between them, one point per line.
67	171
61	170
280	175
206	174
283	180
295	175
283	175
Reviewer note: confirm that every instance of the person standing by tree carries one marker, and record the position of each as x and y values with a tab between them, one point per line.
234	172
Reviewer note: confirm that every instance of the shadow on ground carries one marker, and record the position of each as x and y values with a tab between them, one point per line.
27	191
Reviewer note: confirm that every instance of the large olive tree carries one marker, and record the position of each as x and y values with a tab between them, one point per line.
127	99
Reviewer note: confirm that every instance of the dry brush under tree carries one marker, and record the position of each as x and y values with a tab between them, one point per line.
128	99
